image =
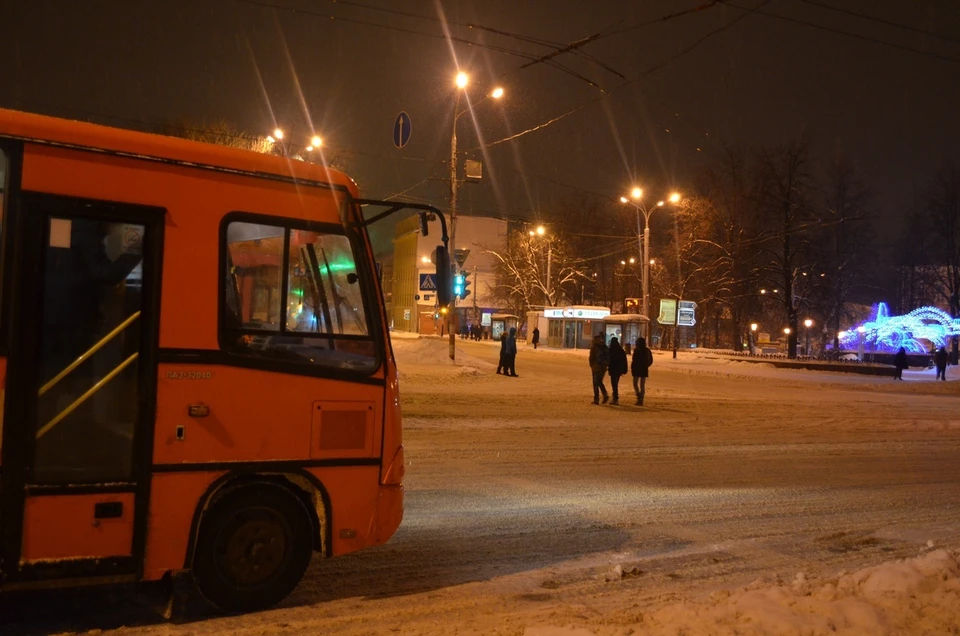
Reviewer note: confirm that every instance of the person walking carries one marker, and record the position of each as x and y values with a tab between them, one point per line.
940	359
618	367
536	337
503	353
640	368
899	363
599	359
510	354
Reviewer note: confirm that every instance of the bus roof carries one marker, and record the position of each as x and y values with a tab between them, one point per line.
41	128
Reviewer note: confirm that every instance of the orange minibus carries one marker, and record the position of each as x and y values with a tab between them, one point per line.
195	364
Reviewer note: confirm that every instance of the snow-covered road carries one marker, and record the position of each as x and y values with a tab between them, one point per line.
741	497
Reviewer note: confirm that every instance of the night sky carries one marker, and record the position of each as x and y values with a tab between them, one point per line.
885	91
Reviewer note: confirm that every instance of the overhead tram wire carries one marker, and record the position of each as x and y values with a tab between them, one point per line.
642	76
898	25
849	34
480	27
436	36
610	32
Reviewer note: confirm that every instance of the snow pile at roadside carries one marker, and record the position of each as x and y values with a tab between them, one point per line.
913	596
417	355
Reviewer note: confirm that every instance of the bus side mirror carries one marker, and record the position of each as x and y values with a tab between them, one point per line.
444	284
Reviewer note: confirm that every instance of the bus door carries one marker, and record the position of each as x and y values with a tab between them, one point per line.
84	367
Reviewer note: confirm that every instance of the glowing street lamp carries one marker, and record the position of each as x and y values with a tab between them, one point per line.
643	240
753	337
541	231
461	81
807	323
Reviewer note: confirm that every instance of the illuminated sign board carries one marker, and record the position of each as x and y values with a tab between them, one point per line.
576	312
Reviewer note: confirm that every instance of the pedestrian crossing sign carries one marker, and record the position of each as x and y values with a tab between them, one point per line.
428	282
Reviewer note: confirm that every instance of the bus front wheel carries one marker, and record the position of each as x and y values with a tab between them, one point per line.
252	549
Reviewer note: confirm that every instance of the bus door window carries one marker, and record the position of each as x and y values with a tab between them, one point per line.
91	305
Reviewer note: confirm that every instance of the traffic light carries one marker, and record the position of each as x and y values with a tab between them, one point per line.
458	284
466	286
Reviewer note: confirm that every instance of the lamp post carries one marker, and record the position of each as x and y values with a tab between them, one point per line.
541	231
461	81
806	347
786	332
753	337
643	240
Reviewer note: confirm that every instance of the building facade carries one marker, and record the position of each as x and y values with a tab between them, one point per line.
414	283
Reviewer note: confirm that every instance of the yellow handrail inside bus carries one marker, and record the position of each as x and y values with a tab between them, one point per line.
83	398
89	352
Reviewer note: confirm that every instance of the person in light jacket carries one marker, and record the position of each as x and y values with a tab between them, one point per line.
640	368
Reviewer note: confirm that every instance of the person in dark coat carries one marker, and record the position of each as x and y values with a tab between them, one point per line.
899	363
640	368
940	359
503	353
599	359
618	367
536	337
510	354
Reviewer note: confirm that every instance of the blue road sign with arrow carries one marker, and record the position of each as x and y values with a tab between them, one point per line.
401	130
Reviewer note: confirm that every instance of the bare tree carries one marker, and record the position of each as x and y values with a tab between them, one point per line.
727	258
784	185
223	133
943	208
844	244
535	270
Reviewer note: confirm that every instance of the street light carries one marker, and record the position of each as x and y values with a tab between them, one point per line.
541	231
753	337
643	241
807	323
460	81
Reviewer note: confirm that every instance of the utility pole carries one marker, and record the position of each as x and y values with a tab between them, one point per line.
676	322
452	310
549	259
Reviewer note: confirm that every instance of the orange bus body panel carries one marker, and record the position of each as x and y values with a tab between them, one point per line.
243	425
196	202
50	531
173	503
255	415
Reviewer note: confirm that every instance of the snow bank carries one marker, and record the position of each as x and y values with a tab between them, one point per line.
913	596
421	356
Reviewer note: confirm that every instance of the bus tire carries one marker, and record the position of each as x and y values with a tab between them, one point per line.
253	546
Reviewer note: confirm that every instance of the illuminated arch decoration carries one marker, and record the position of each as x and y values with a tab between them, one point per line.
915	331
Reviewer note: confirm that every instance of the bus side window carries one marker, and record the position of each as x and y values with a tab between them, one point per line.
322	321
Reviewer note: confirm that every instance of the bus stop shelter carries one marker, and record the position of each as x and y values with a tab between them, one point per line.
626	328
